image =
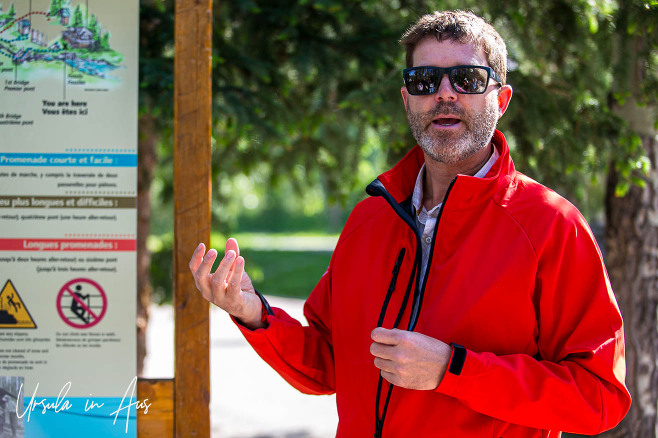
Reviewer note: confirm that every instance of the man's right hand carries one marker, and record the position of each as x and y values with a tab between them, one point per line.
229	287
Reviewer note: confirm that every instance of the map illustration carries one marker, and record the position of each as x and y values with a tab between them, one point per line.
66	35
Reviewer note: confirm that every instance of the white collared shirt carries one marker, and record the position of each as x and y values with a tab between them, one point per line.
426	220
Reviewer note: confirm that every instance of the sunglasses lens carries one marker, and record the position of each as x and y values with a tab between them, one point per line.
421	81
469	80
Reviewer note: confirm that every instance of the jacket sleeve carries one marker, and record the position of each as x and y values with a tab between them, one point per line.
302	355
576	384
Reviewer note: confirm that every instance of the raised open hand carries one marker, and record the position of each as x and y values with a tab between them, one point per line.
229	287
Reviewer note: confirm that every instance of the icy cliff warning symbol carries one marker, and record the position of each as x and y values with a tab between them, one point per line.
13	313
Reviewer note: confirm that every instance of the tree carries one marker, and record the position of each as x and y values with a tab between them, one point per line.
304	83
105	41
95	28
78	21
155	118
301	84
55	7
585	91
12	11
631	231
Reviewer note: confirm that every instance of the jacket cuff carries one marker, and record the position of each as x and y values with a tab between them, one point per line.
457	359
450	383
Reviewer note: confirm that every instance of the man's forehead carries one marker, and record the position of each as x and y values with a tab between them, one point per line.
446	53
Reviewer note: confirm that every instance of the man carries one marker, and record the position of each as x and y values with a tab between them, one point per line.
463	299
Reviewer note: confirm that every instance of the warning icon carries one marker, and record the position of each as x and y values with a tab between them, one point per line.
81	303
13	313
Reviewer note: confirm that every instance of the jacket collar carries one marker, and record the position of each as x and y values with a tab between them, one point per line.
400	180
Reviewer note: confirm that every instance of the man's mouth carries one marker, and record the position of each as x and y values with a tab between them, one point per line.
445	121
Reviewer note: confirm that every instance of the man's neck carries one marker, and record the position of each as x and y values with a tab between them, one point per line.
438	176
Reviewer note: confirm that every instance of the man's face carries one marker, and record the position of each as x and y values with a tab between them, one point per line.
451	127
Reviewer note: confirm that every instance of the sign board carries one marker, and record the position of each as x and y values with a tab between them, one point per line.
68	218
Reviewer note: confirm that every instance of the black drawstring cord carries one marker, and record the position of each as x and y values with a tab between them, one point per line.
391	287
379	420
376	188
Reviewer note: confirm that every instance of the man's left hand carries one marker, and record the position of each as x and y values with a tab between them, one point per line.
409	359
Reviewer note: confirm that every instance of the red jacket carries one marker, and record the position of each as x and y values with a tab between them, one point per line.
515	276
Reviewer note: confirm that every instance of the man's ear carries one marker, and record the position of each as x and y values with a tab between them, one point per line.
405	97
504	96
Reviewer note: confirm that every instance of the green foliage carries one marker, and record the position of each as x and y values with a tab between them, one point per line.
95	27
572	66
161	249
298	84
55	7
105	41
306	98
78	21
156	67
12	11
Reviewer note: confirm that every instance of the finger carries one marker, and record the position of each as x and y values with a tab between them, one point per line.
385	365
382	350
391	378
235	278
197	256
219	278
385	336
232	244
202	272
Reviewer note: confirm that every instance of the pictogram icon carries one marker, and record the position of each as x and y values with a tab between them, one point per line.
13	313
81	303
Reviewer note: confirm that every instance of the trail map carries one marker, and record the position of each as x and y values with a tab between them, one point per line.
66	40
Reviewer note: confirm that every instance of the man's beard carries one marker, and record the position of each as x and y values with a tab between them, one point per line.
451	147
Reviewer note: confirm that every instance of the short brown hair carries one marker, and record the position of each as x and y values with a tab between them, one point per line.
463	27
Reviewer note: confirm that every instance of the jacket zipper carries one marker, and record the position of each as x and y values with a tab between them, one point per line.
376	188
418	301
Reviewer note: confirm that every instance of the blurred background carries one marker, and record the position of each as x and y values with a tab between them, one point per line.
307	111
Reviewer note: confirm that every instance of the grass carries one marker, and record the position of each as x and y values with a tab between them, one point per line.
286	273
286	265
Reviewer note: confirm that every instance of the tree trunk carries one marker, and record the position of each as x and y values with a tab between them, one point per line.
632	261
145	166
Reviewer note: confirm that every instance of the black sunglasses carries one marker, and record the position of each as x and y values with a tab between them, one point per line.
465	79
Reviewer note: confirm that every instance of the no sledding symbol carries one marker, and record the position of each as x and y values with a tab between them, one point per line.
81	303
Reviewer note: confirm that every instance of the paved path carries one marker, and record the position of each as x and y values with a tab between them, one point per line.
248	399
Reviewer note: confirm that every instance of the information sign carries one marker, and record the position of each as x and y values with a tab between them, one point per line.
68	218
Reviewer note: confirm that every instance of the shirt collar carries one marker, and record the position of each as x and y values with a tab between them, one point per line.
417	198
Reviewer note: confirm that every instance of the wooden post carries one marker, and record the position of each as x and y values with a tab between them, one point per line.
158	422
192	191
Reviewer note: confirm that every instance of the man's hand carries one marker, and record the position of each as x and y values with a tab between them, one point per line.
229	287
409	359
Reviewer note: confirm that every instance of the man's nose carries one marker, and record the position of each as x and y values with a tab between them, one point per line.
445	90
